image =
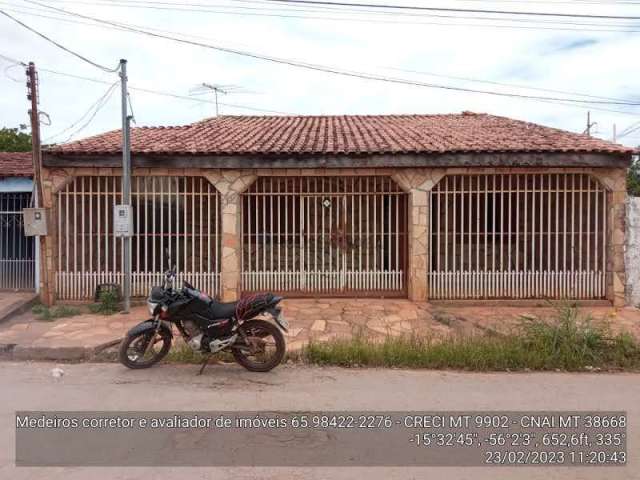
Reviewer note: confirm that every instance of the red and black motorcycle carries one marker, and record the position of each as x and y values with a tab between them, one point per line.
208	327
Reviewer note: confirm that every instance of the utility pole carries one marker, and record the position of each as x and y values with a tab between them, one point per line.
126	187
32	94
615	133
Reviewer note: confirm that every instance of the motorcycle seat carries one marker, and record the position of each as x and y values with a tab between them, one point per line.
222	310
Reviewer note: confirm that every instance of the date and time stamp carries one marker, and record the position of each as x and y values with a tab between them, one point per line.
504	439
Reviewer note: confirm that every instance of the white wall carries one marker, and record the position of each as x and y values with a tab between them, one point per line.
632	253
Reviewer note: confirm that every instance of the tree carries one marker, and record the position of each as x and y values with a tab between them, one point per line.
15	139
633	178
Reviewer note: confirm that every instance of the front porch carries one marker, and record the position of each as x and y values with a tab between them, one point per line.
84	336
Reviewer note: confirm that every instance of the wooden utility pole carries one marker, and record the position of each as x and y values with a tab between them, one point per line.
38	201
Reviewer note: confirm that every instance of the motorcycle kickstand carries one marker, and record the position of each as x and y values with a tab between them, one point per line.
205	362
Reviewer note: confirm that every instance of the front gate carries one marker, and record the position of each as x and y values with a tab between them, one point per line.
327	236
175	215
518	236
17	252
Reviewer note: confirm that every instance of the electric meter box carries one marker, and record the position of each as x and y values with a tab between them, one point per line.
35	221
122	221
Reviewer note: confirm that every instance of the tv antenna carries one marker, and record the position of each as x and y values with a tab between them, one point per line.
217	89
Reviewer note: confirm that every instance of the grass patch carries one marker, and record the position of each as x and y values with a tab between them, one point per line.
567	342
44	313
108	303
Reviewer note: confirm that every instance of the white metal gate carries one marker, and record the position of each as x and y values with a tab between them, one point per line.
518	236
178	214
17	252
325	236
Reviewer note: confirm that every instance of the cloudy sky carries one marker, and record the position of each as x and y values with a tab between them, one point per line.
544	56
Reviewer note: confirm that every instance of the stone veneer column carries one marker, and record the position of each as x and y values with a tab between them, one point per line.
230	184
615	180
53	180
418	183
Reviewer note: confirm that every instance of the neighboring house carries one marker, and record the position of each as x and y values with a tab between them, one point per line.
17	252
428	207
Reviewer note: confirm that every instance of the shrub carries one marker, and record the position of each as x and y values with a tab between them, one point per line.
108	303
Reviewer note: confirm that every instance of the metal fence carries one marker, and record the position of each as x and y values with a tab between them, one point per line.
325	236
518	236
178	214
17	252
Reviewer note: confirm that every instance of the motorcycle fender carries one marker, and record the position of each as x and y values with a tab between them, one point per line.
149	325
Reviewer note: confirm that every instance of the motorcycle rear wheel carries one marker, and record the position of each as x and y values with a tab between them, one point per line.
135	351
261	335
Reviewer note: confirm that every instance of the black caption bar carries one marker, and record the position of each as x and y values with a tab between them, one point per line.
321	438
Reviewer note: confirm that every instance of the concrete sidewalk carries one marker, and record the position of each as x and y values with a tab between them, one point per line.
14	303
82	337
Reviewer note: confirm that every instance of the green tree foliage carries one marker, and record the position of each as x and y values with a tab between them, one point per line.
15	139
633	178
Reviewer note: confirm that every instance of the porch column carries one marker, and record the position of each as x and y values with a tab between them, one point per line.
418	183
230	184
615	180
418	244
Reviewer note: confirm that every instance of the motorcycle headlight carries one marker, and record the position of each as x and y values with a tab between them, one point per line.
152	307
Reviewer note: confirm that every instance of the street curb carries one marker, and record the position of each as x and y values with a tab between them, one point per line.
18	308
68	354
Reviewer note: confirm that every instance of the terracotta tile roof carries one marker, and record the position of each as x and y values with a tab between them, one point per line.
384	134
16	164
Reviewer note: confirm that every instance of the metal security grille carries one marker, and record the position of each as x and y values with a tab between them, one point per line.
518	236
17	252
178	214
325	236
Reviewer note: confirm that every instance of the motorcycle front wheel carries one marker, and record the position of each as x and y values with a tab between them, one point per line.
264	348
145	349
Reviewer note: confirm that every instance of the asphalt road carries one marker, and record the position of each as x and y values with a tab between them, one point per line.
31	386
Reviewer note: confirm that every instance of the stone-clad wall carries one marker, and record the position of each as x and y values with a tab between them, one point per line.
416	181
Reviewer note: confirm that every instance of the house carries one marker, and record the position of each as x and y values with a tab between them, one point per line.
17	252
427	207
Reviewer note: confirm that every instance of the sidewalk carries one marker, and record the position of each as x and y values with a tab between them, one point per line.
83	336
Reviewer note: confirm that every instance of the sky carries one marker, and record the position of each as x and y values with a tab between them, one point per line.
563	59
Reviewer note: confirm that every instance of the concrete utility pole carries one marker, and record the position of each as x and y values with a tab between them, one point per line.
589	123
32	94
615	133
126	186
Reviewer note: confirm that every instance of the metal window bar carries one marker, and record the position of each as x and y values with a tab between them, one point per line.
527	236
17	252
181	214
325	236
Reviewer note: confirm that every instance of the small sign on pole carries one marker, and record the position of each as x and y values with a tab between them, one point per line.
122	221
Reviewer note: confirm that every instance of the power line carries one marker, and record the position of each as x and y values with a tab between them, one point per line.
91	112
332	19
159	6
504	84
13	60
81	57
462	10
165	94
331	69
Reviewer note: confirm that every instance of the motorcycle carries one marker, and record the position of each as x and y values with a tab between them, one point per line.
208	327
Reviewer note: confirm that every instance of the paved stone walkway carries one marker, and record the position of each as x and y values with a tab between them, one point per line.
310	319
